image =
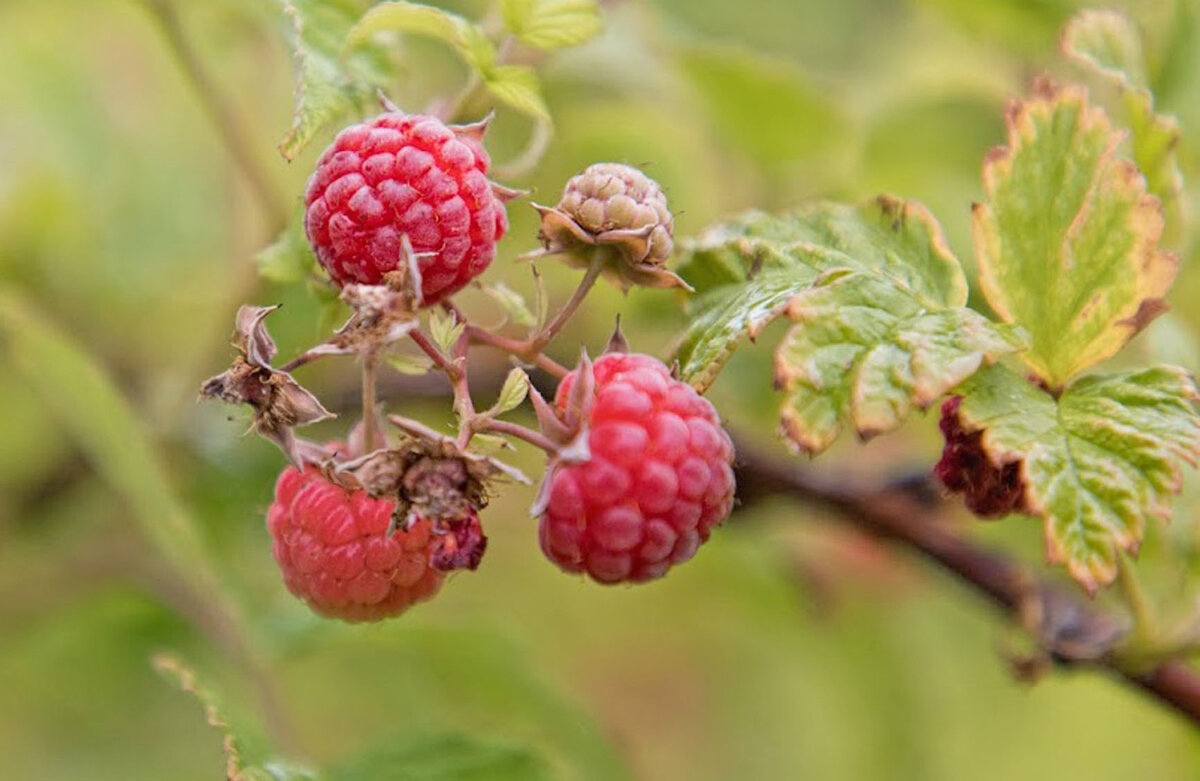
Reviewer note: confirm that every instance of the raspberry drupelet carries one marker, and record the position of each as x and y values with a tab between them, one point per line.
405	175
332	546
658	478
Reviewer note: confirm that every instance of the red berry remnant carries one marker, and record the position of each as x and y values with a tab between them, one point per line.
658	478
404	174
459	545
988	490
332	545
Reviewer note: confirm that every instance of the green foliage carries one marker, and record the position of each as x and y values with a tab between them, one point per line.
1106	43
879	305
244	760
516	86
1067	242
1097	462
764	106
513	392
328	85
513	304
444	758
445	330
465	37
289	258
104	425
552	24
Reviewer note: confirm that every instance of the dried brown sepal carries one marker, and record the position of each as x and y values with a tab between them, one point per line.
381	316
279	402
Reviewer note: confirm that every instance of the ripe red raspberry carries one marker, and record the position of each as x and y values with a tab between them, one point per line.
988	490
404	174
333	548
658	479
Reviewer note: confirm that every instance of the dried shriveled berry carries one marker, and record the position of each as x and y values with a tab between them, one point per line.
989	491
405	175
332	546
658	477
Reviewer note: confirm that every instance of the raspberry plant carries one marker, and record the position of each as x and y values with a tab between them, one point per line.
1075	246
400	215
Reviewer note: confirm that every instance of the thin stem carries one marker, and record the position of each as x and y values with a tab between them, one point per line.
548	333
369	422
464	407
517	348
1144	623
220	110
308	356
516	430
910	523
438	357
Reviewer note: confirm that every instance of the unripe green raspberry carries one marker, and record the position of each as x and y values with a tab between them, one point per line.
621	211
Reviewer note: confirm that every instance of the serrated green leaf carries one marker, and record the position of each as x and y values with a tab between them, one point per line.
869	288
444	758
1107	43
518	87
867	350
445	330
552	24
1067	242
289	258
516	387
510	301
410	364
328	86
1097	462
466	37
242	761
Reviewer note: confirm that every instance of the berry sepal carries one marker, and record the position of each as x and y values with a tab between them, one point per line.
279	402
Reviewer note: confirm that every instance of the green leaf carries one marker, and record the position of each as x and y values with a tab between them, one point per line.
445	330
444	758
552	24
328	86
410	364
518	87
104	425
487	444
1106	41
1067	242
1107	44
510	301
289	258
516	387
878	300
466	37
243	761
1097	462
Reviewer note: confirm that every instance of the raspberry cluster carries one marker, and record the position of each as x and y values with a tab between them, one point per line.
335	553
404	175
657	480
988	490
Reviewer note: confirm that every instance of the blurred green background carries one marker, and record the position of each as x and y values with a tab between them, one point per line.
132	524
